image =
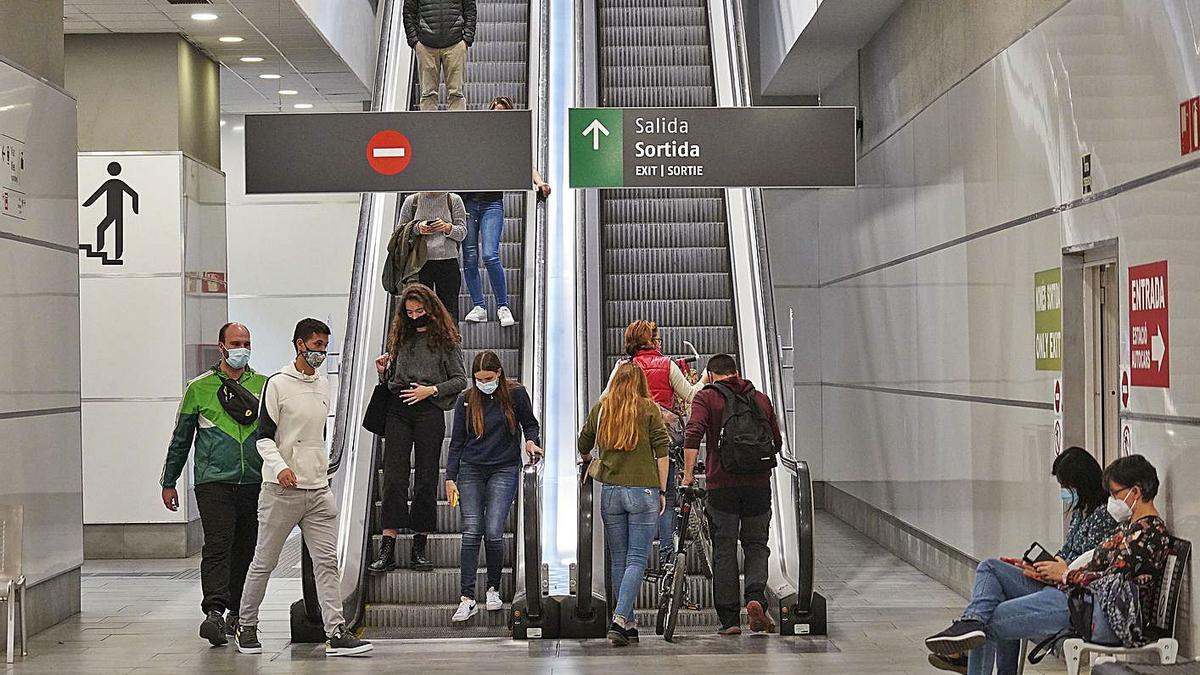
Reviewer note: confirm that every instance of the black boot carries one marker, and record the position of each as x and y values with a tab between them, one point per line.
420	559
386	561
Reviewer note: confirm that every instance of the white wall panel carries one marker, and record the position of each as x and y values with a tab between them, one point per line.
125	354
39	366
123	462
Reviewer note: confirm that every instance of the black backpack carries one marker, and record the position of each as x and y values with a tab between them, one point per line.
747	444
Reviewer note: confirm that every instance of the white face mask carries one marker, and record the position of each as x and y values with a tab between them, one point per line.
1119	510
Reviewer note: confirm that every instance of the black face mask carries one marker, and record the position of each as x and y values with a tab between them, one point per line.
419	322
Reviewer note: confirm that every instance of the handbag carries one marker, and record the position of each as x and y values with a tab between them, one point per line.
375	417
594	466
238	402
1080	603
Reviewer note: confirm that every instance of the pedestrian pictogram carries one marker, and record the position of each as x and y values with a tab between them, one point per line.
114	191
1126	440
389	152
1058	436
1149	340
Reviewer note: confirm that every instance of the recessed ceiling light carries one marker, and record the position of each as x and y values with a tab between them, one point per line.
204	16
251	59
239	128
288	92
230	38
302	106
270	76
222	122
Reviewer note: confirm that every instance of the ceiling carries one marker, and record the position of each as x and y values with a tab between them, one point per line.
275	30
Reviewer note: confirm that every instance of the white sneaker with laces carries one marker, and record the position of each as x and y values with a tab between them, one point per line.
466	609
494	602
506	317
476	315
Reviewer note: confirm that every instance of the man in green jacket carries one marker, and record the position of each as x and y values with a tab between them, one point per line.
228	475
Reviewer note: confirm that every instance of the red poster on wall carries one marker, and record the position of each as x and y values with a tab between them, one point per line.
1149	341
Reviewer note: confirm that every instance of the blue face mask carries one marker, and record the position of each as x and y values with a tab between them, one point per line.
238	357
1069	497
487	387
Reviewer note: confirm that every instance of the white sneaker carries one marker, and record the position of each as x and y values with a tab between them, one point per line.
476	315
466	609
506	317
494	602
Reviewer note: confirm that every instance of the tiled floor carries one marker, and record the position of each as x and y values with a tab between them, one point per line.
879	610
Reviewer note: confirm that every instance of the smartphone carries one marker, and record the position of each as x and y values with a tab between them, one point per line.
1037	553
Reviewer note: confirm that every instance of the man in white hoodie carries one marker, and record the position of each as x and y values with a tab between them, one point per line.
295	491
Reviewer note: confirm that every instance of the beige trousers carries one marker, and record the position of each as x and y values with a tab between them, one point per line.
431	64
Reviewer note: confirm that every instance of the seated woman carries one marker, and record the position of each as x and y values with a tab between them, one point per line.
1000	579
1137	552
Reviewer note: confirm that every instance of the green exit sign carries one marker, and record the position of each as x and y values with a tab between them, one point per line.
596	147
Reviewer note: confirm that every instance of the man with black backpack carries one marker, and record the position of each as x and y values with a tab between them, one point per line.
219	412
742	439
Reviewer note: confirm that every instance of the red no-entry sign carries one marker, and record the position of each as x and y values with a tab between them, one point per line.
389	152
1149	341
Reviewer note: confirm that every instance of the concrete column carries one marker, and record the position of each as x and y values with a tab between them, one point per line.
145	92
31	37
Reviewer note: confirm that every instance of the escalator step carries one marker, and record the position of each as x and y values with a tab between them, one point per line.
666	260
429	616
429	588
443	549
694	312
667	287
449	519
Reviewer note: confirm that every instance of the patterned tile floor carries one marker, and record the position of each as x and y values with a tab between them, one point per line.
141	617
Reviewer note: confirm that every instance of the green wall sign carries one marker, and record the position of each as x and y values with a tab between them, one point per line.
1047	319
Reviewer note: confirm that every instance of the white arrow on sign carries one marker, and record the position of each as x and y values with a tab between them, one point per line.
1158	348
595	129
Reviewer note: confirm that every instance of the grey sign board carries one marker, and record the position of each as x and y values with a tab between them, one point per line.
389	152
713	147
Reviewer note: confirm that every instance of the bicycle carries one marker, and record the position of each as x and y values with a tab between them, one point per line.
690	533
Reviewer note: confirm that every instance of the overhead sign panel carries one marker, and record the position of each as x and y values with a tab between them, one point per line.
712	147
389	152
1047	319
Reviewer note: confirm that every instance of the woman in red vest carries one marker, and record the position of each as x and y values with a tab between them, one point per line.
643	345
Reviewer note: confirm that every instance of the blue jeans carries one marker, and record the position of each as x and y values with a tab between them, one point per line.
485	225
666	522
630	519
1015	609
485	496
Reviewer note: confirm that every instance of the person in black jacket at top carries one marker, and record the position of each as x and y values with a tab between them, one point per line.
440	31
483	468
423	368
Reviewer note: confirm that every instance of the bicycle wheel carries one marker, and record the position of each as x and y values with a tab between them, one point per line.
702	539
676	599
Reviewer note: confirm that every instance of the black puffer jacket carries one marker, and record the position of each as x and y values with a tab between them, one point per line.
439	23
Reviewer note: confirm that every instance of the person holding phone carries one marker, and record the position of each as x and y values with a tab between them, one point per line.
483	469
442	222
998	580
627	428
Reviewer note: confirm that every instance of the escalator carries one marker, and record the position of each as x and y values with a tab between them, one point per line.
406	603
691	260
664	253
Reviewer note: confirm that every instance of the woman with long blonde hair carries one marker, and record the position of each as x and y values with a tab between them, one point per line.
626	427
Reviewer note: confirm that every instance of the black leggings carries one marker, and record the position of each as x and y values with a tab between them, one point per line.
412	430
445	278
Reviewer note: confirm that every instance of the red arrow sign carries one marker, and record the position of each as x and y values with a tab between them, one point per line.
389	152
1149	340
1058	397
1124	389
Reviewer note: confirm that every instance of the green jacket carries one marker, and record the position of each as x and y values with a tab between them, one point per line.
225	451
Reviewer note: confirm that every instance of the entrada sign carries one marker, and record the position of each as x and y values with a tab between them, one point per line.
712	147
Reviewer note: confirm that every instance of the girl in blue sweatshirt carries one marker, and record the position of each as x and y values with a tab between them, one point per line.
483	470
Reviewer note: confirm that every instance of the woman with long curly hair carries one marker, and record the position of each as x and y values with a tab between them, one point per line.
483	468
423	368
627	428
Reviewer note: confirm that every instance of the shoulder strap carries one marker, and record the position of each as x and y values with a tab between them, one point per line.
1044	647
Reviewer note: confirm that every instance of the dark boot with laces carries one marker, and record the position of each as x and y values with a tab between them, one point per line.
386	561
420	557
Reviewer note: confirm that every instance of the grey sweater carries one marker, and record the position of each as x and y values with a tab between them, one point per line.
447	206
416	362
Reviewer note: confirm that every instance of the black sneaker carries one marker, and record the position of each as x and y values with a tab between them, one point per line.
617	636
231	624
247	640
213	628
962	636
953	664
343	643
631	634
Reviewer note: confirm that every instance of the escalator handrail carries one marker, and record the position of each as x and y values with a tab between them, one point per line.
531	520
583	552
805	507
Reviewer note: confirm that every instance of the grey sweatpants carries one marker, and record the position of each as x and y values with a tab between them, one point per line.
279	510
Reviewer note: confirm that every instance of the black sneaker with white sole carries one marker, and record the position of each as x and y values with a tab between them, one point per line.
617	635
231	624
213	628
247	640
951	664
962	636
343	643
